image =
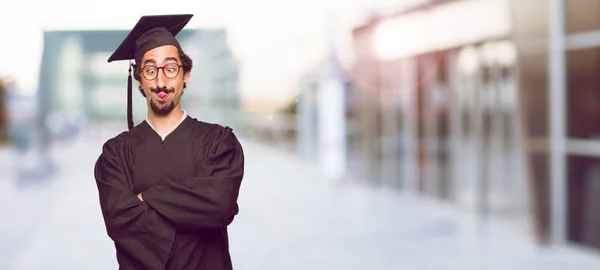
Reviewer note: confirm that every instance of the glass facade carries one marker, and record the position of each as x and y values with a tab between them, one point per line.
470	124
454	116
583	94
583	200
582	24
581	15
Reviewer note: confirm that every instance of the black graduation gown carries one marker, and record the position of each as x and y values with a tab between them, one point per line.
190	184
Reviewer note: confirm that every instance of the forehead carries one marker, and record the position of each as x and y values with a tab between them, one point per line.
161	54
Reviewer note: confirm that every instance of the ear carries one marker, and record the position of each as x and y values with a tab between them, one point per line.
186	76
141	90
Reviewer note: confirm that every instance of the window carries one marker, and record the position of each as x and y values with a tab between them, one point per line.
583	93
582	15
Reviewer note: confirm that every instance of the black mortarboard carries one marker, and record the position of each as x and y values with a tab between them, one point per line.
148	33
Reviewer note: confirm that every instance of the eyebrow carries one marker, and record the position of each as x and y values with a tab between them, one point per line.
149	61
170	58
167	59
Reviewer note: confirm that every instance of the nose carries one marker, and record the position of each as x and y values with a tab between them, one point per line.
160	80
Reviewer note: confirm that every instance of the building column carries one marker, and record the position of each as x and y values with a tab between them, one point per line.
557	74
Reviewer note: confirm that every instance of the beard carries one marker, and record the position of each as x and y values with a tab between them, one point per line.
166	109
162	110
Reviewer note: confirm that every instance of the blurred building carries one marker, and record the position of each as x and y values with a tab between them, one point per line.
492	105
4	124
489	105
77	84
213	93
322	117
439	109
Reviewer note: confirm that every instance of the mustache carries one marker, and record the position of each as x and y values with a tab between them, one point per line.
164	89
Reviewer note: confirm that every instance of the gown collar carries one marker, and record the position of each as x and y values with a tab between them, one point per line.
171	132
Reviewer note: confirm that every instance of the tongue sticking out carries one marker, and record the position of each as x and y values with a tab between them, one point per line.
162	95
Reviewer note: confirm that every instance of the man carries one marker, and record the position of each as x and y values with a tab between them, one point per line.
168	187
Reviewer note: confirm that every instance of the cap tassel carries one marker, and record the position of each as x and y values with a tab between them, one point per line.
129	98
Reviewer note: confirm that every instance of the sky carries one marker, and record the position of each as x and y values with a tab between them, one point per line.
274	40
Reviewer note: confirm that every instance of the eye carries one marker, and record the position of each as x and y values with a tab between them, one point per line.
150	70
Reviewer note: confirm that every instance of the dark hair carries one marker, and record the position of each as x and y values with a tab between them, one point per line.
186	65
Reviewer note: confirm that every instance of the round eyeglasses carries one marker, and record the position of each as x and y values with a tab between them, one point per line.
170	70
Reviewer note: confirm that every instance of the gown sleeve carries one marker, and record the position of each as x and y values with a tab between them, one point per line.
207	200
134	227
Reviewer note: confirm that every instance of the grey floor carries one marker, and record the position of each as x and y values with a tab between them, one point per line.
291	217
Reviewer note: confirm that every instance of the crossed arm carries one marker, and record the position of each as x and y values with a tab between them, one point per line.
145	225
207	200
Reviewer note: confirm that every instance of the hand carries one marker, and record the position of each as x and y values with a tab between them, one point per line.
140	197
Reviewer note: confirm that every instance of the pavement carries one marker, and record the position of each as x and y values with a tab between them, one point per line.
291	217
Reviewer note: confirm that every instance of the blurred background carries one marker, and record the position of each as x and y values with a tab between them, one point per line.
389	134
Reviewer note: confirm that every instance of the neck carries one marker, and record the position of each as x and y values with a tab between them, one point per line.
165	123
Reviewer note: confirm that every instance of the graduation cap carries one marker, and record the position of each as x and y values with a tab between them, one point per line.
149	32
